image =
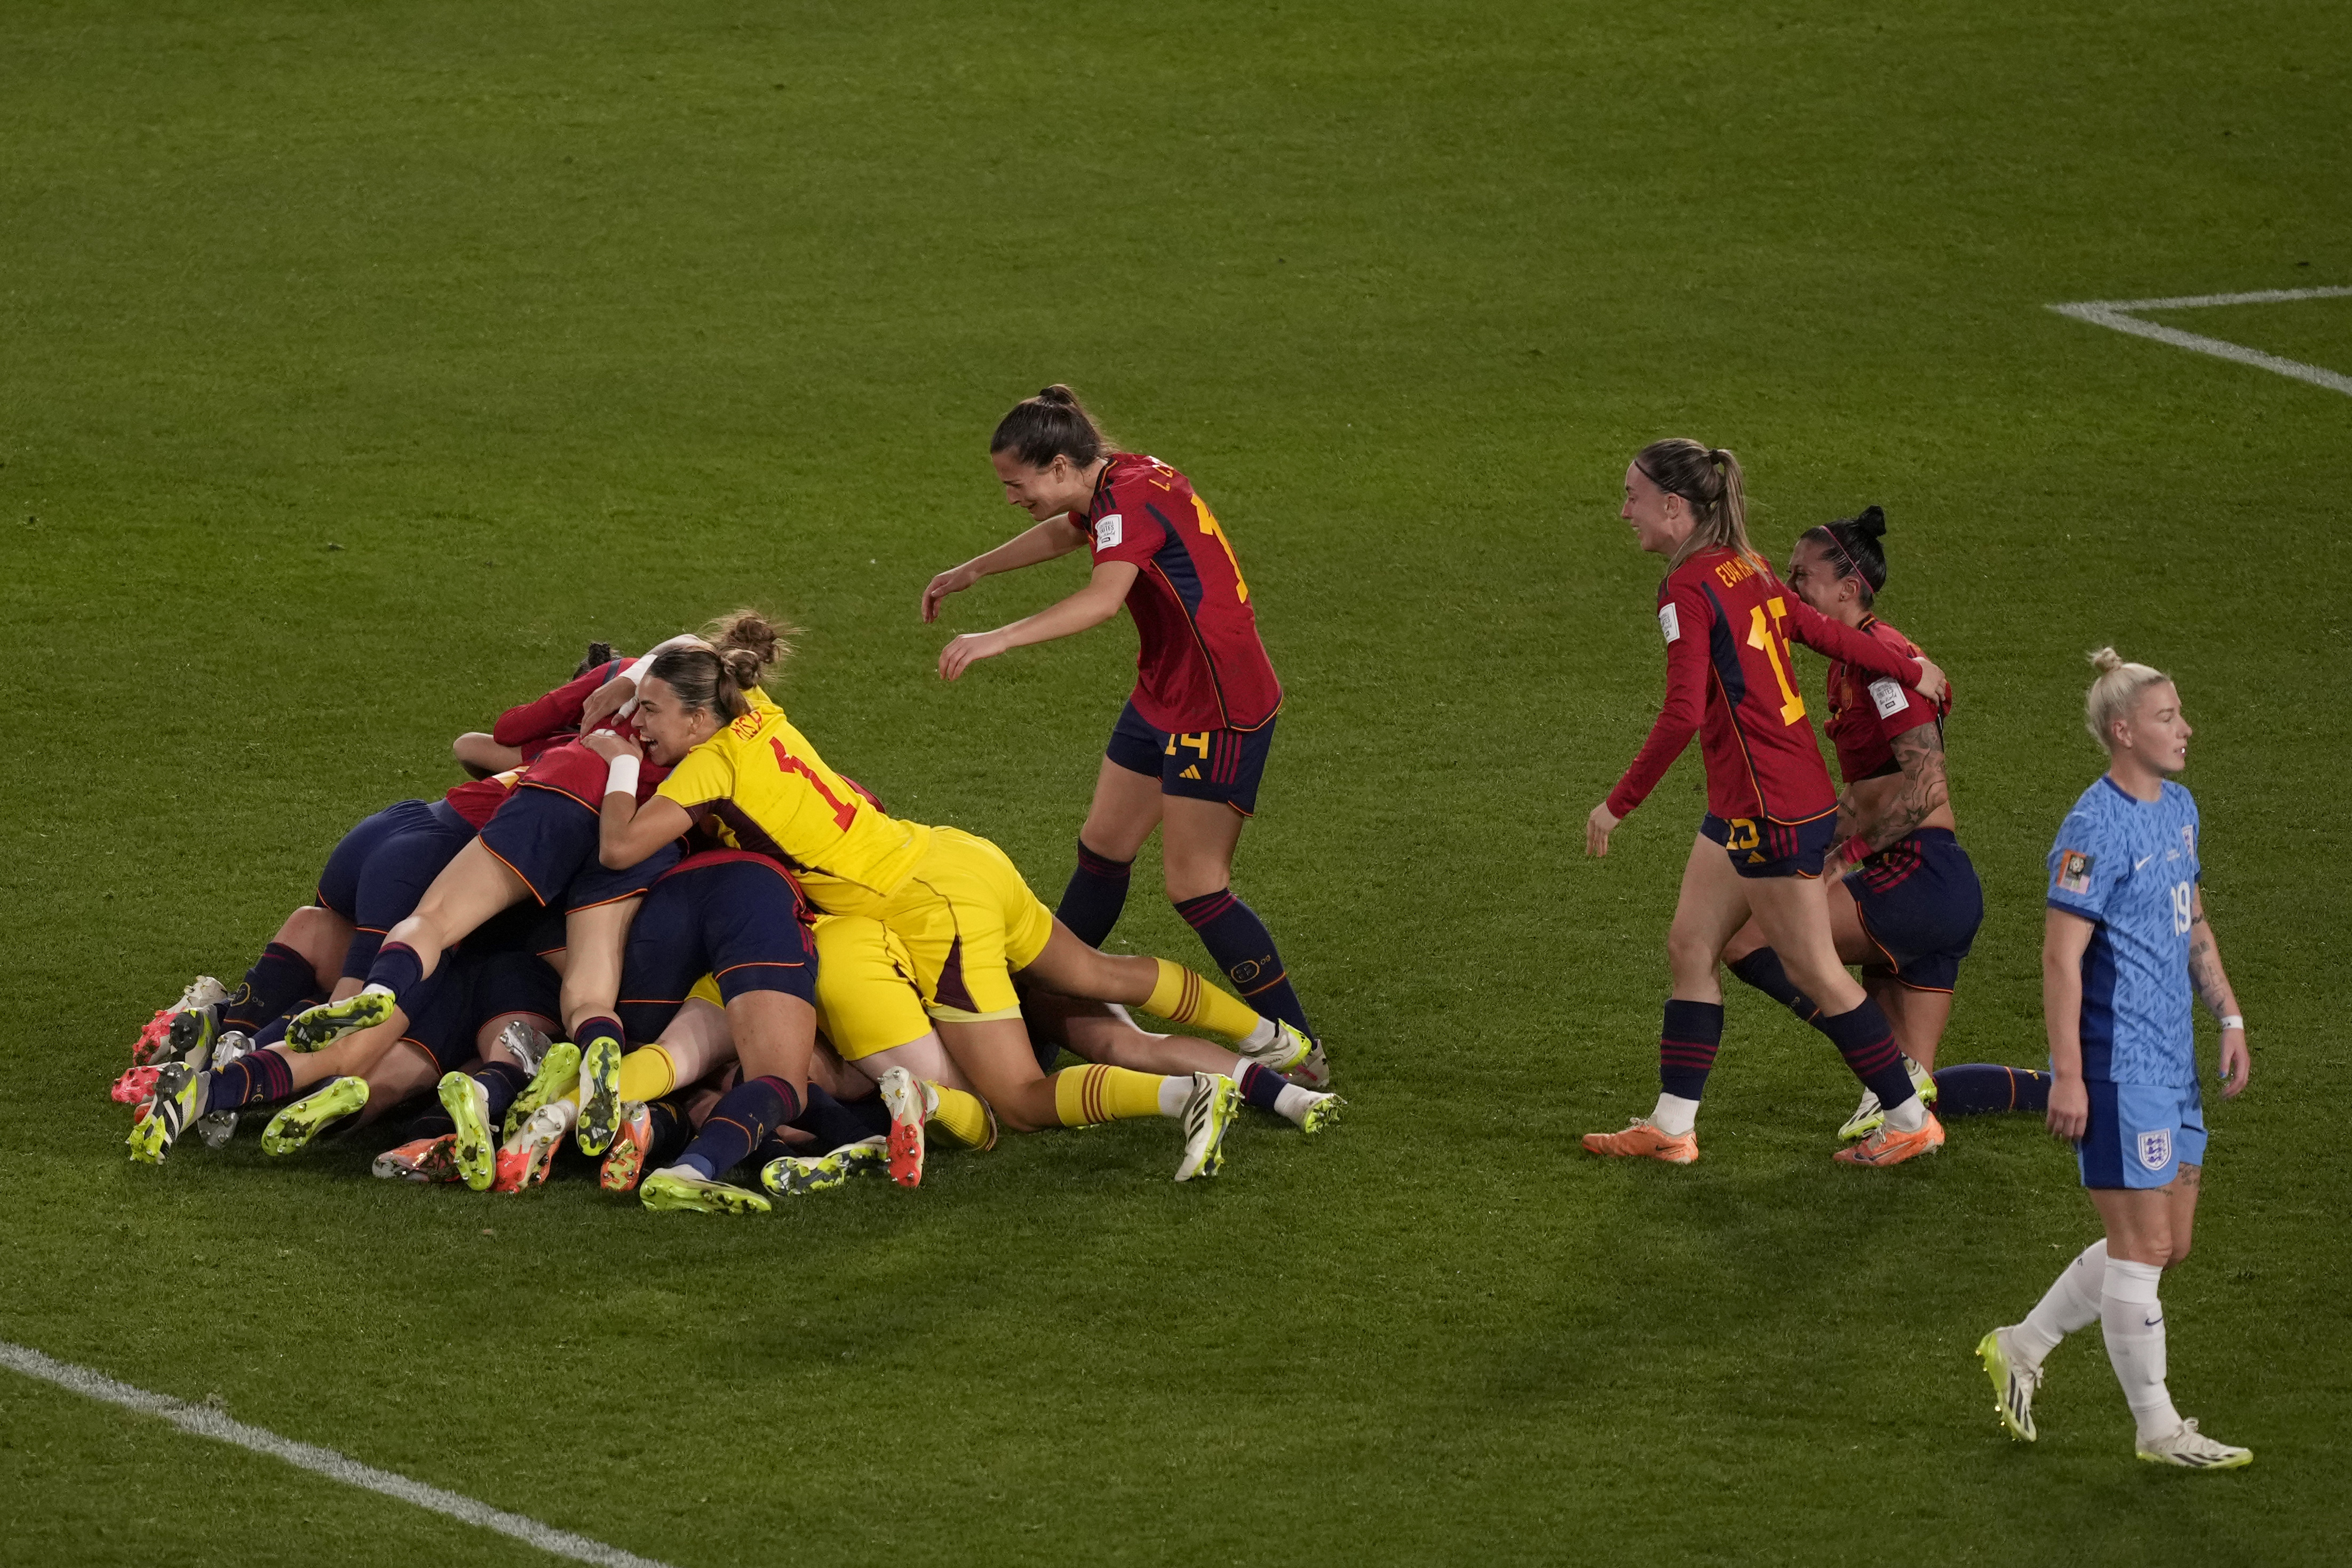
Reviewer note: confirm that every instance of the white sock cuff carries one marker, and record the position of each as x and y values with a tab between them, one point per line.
2133	1283
1675	1116
375	989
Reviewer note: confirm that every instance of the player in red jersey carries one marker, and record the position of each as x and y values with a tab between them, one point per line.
1770	808
1904	899
1188	752
540	844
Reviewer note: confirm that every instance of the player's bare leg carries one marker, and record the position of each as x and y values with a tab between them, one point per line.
1103	1032
594	939
996	1055
774	1035
470	889
1068	965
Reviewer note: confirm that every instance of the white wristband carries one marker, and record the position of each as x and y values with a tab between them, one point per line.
2234	1022
621	776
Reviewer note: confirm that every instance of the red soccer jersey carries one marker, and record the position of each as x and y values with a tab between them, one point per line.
1200	665
479	799
1727	622
1867	712
573	769
533	727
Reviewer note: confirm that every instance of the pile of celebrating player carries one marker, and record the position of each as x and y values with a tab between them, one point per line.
660	927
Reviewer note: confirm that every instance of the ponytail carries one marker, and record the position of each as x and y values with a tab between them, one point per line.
1051	424
1708	479
713	675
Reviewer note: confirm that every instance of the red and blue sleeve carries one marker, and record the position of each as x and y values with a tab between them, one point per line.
1685	617
1840	641
1128	532
558	710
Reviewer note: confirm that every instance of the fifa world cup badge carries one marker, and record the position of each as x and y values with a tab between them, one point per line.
2073	872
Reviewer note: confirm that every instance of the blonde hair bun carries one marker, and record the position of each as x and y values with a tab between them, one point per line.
2114	694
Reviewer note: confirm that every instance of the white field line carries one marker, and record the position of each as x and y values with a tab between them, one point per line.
205	1422
2118	314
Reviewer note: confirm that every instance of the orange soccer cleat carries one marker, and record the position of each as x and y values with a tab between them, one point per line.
1640	1140
909	1111
632	1140
1888	1148
136	1086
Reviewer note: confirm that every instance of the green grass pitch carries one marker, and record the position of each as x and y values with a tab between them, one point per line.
359	362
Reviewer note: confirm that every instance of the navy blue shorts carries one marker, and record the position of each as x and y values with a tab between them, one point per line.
1920	905
379	872
1760	846
1216	765
549	840
724	913
473	992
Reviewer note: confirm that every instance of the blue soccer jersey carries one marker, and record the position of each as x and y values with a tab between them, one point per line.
2129	866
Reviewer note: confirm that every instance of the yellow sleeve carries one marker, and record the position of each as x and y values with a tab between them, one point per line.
705	774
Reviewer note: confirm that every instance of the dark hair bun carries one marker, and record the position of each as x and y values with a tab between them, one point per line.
1872	524
1059	395
598	653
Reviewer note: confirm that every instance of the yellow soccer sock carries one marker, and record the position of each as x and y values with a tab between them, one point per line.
1183	997
1085	1095
962	1118
648	1073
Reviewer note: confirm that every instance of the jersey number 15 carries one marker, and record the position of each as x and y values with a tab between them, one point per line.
1767	636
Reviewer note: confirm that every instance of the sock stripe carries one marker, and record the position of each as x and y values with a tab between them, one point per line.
1200	912
1280	976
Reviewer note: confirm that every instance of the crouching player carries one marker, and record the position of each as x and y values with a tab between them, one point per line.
2125	939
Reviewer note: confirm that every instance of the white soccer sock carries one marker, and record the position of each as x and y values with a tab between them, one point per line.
1294	1101
1909	1116
2133	1321
2071	1302
376	988
1173	1093
1675	1116
1266	1032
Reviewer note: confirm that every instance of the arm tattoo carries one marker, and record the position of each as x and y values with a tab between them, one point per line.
1925	790
2205	968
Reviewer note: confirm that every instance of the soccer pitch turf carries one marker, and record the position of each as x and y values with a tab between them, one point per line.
358	365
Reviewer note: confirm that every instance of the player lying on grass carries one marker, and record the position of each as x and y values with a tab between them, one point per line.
965	918
1904	900
2124	943
539	845
1188	751
1770	808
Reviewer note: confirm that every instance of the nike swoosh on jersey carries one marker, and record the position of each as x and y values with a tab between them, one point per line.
2141	861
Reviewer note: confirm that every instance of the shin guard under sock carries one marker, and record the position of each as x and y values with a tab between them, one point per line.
1687	1041
1096	893
738	1123
648	1073
257	1078
396	969
1978	1087
278	979
2071	1302
1866	1041
1762	970
833	1123
1086	1095
1244	948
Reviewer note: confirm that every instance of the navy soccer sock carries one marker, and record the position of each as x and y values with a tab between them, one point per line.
604	1026
1762	970
502	1081
1244	948
274	1031
1096	892
1866	1041
738	1123
433	1123
672	1132
397	969
1687	1041
1978	1087
833	1123
278	979
1262	1086
257	1078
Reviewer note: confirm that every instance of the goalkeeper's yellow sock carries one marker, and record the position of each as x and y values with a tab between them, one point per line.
1182	997
647	1074
962	1118
1086	1095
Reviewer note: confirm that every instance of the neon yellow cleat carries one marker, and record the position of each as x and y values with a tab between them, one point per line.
1322	1114
2014	1384
1207	1116
600	1095
685	1188
306	1118
1869	1116
180	1091
793	1175
322	1026
559	1069
469	1105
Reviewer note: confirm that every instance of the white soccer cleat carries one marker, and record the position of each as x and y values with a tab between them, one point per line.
220	1126
1288	1051
2193	1450
1315	1072
1207	1114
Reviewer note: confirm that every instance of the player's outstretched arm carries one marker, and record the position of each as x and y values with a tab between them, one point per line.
1052	537
1089	607
2214	986
2064	939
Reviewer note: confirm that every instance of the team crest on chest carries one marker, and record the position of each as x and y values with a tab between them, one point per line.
2187	838
2156	1148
